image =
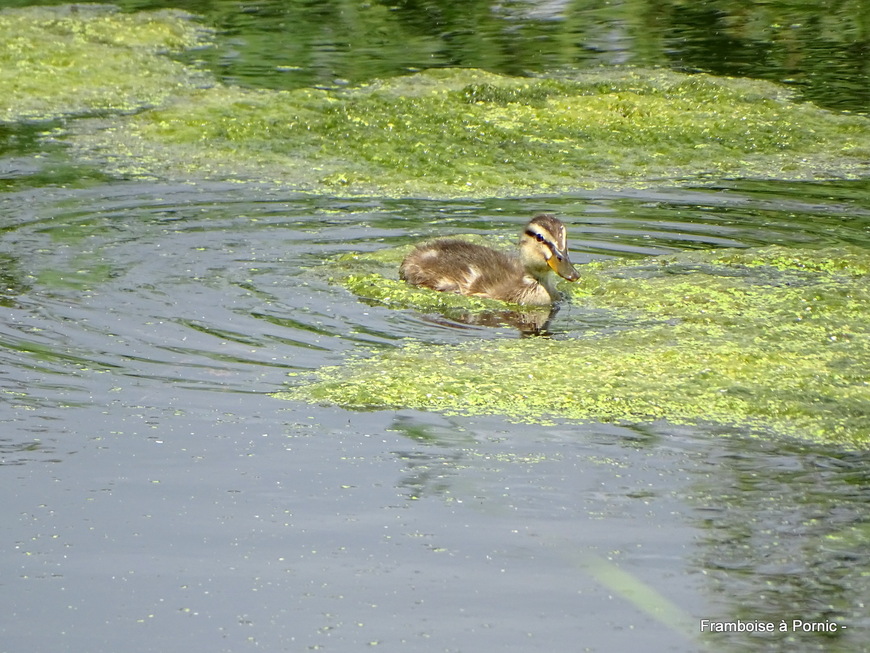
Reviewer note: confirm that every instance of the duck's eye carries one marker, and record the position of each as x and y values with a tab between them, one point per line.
539	237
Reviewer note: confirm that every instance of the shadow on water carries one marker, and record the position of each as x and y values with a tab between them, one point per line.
784	530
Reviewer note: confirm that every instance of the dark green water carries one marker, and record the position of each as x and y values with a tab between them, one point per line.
158	498
822	50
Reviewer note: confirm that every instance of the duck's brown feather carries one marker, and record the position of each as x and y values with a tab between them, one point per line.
468	269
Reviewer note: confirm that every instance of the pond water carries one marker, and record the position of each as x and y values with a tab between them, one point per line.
159	498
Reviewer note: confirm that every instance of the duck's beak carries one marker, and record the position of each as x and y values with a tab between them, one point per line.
561	265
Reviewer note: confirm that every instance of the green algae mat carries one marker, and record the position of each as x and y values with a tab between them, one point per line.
452	133
86	59
437	133
775	340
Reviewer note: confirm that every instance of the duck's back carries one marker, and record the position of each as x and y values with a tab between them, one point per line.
462	267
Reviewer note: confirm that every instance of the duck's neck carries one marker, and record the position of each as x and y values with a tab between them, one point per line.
537	290
548	281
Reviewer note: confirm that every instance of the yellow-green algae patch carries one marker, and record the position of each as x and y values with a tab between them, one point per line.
772	339
451	132
79	59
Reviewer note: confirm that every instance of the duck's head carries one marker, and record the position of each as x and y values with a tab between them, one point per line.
544	247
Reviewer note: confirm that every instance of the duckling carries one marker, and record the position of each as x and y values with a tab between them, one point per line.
523	278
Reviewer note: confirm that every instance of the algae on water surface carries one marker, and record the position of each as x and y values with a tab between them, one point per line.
81	59
452	132
437	133
773	339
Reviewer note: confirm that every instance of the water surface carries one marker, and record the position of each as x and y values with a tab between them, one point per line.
159	495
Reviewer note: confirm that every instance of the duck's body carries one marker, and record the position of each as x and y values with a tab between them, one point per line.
523	278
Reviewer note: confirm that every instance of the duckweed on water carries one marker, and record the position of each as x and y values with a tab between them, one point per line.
450	132
78	59
771	339
439	133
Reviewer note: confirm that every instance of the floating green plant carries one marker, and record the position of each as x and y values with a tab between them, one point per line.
80	59
771	339
451	132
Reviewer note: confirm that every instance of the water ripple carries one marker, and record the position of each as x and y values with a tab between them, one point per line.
226	287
